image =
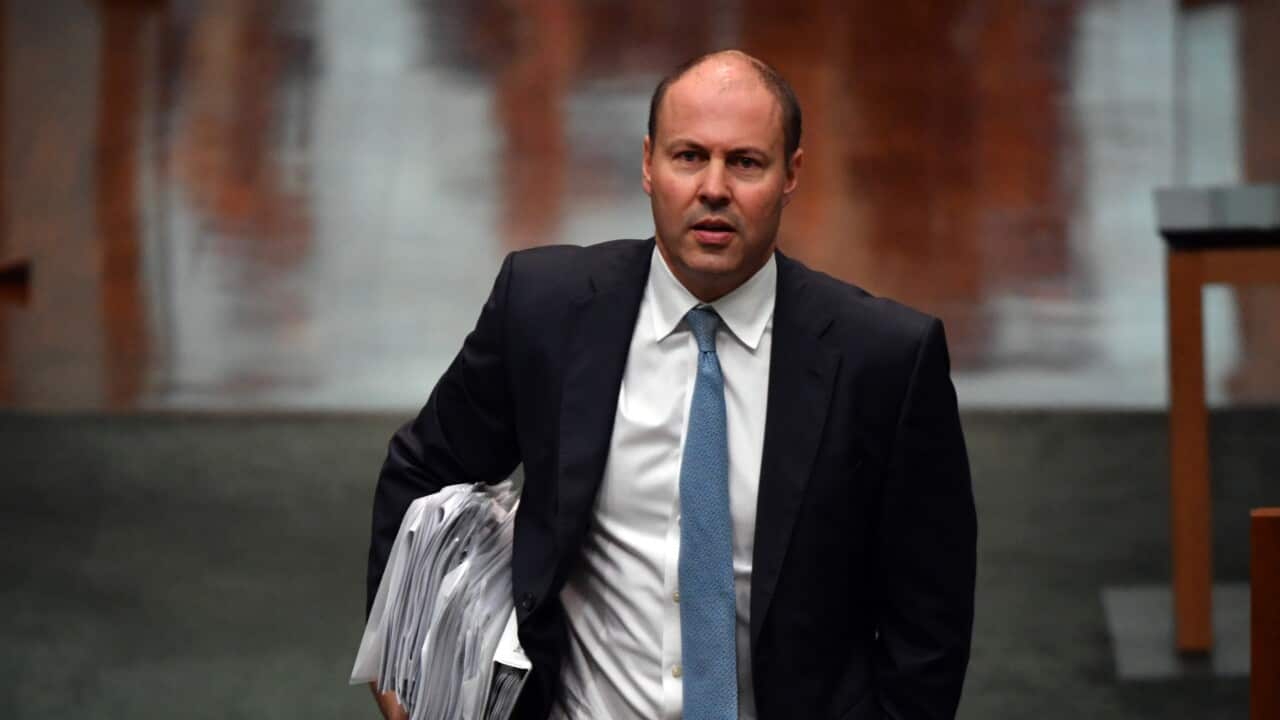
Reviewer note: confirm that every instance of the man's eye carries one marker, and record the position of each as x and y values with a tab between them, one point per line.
687	156
746	163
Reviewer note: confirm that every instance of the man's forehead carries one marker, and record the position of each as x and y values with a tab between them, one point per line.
725	73
728	92
719	74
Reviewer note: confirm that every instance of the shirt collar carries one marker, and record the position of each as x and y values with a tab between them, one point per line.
746	311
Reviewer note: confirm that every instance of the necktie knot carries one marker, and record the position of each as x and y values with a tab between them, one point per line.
703	321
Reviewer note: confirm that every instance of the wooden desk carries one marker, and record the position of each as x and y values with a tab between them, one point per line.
1217	235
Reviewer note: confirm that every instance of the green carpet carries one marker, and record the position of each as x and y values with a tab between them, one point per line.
203	566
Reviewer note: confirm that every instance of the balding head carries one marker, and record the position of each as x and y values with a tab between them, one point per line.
727	65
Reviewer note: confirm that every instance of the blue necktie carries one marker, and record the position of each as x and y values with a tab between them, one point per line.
708	615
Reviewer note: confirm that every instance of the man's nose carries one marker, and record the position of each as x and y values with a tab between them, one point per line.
714	191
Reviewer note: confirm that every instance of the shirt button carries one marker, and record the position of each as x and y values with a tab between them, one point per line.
676	671
675	596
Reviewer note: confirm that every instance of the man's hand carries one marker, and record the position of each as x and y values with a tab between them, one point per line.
388	703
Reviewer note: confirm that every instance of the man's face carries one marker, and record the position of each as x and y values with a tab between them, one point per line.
717	177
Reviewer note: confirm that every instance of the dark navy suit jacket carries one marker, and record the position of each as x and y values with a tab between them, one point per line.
863	575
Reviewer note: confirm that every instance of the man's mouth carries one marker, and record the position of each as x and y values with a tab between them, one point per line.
713	231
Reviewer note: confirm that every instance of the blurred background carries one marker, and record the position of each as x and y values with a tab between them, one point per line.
257	233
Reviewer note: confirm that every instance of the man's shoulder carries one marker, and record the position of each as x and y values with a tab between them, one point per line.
549	276
580	260
858	313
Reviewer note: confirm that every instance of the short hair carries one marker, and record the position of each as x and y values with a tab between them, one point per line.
773	82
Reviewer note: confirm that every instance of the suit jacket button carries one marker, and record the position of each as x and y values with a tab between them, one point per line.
526	602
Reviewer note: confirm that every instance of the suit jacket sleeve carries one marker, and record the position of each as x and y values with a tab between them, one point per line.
927	548
464	434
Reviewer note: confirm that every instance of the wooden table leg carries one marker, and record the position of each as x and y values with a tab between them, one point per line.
1189	497
1264	621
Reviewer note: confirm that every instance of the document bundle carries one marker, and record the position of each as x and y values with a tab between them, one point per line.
442	630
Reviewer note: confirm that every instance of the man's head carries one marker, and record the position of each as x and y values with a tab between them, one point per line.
721	160
773	82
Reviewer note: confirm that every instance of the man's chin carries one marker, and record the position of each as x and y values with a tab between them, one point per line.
713	265
720	251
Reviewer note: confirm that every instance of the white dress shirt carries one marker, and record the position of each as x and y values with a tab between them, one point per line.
621	602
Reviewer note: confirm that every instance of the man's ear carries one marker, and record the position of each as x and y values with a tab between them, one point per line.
793	175
646	167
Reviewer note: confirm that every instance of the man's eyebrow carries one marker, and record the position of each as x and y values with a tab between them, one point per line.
743	150
686	142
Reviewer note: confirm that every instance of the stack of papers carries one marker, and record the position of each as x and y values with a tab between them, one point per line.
442	630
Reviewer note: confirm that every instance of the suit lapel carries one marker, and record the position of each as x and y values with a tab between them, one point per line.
602	322
801	375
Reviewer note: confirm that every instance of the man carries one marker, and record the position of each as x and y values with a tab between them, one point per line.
746	488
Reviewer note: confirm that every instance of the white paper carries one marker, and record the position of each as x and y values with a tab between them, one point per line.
442	629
